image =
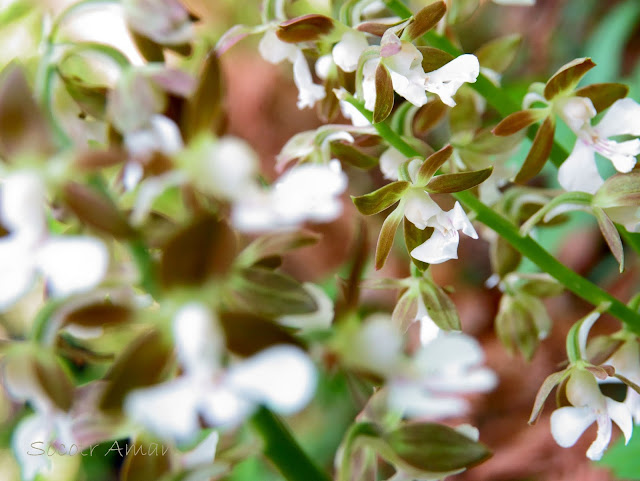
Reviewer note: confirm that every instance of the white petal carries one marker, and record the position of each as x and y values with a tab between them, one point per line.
281	377
460	221
299	146
230	168
622	118
353	114
577	112
222	406
414	402
446	80
72	264
449	350
169	410
198	338
18	271
274	50
438	248
203	454
255	212
308	92
568	424
619	413
22	198
369	83
409	88
429	330
579	172
346	52
30	436
323	66
162	136
583	331
621	154
319	319
390	161
597	448
583	390
419	208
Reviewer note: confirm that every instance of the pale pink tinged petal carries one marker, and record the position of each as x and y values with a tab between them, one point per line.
199	339
622	118
579	172
347	51
597	448
438	248
203	454
22	198
369	83
222	406
274	50
419	208
169	410
308	92
568	424
446	80
407	62
390	161
320	319
72	264
18	271
576	112
30	438
460	221
619	414
583	390
281	377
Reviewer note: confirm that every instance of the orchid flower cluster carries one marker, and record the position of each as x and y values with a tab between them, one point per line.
142	292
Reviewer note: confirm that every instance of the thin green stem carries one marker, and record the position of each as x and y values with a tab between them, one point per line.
282	449
523	244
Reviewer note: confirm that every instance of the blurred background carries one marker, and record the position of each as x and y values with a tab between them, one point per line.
262	106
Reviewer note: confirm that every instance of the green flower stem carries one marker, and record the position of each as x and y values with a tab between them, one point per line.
523	244
282	449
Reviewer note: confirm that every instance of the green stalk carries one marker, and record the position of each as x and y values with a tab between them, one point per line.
523	244
282	449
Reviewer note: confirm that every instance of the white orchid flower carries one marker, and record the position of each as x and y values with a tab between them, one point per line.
440	372
579	171
423	212
306	192
589	405
48	425
69	264
281	377
274	50
404	62
346	53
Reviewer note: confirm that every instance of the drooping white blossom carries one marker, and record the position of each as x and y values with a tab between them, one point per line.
589	405
69	264
424	212
579	171
281	377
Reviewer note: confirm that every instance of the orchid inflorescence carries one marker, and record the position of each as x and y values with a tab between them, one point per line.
141	289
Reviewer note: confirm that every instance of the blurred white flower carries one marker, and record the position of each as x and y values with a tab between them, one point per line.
69	264
282	378
589	405
423	212
306	192
579	171
438	374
